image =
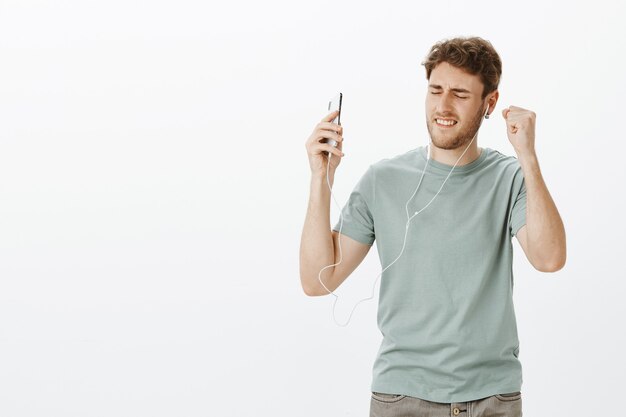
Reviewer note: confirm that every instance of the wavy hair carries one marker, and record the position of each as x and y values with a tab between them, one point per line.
473	54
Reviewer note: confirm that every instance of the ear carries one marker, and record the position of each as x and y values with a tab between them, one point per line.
492	99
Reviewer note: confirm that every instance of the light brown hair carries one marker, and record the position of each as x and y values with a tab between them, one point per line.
473	54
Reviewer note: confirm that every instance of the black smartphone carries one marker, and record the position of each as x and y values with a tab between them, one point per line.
335	104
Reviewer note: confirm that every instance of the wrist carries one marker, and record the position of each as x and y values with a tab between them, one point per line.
321	176
527	158
530	166
319	181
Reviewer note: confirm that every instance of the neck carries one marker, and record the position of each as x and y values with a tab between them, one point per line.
450	156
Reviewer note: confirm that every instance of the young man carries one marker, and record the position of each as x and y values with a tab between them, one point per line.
446	304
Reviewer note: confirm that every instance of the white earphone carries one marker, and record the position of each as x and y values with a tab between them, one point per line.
486	116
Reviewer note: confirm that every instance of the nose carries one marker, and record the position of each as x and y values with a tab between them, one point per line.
444	105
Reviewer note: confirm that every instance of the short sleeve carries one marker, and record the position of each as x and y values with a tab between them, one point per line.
358	221
518	213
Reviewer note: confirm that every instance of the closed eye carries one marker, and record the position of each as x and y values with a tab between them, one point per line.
432	92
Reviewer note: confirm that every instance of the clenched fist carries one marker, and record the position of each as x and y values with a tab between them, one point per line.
520	128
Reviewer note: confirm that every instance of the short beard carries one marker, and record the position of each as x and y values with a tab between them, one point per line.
463	138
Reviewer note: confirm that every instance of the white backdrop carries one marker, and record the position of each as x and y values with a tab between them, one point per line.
154	184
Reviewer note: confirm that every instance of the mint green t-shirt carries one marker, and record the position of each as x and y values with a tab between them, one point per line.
446	305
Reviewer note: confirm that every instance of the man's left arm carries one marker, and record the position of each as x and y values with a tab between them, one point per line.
543	236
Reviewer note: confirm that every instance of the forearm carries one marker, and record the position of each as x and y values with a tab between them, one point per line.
316	246
544	228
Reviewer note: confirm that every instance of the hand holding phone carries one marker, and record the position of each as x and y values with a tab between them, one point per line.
326	139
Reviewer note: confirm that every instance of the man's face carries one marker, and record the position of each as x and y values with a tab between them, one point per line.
454	96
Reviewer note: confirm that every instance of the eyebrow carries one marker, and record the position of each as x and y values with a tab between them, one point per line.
458	90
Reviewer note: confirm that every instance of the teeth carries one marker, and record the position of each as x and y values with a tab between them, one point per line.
445	122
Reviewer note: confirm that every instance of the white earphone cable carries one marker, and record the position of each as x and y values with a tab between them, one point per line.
405	231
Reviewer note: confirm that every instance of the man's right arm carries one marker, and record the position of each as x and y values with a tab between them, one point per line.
319	245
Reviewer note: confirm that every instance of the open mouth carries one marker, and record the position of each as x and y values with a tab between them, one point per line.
445	123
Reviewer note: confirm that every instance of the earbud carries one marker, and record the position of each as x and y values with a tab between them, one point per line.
486	113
